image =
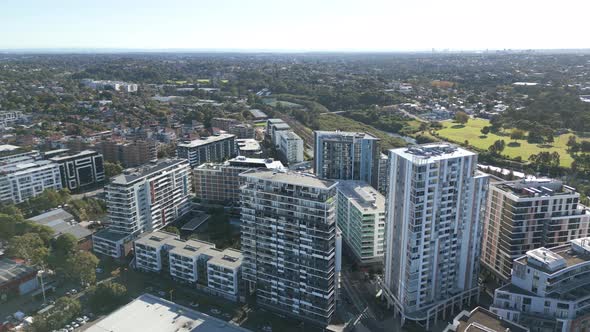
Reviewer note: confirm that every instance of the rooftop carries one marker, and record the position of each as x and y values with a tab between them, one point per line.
195	222
289	135
258	114
8	148
248	144
11	270
558	258
533	187
74	156
228	258
27	164
255	162
339	133
150	313
131	175
363	196
432	152
206	140
480	319
110	235
62	223
289	177
281	126
275	121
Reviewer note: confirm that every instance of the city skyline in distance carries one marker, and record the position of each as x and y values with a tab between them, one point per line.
305	26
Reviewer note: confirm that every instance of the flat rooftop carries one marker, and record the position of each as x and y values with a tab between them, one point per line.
289	135
134	174
255	162
228	258
558	258
150	313
74	156
195	222
110	235
248	144
350	134
480	319
8	148
289	177
27	164
362	195
432	152
536	187
206	140
258	114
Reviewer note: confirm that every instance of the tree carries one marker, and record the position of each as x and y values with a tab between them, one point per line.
461	117
485	130
112	169
517	134
65	244
172	229
497	147
82	267
107	296
64	311
29	247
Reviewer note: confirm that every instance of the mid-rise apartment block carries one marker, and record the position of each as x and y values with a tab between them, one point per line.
147	199
290	146
208	150
361	218
25	178
347	156
289	243
273	126
435	209
528	214
130	154
220	182
549	289
383	177
192	262
8	118
80	170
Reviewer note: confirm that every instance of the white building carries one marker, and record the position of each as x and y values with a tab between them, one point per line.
27	178
8	118
206	150
361	218
289	243
549	289
435	207
193	262
528	214
147	199
107	84
290	146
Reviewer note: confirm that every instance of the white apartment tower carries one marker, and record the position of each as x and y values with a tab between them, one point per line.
436	201
289	243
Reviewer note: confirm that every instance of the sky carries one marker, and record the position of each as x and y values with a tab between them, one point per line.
295	25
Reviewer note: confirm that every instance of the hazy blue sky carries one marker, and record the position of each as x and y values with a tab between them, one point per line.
295	25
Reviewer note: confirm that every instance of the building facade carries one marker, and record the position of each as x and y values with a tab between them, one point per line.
360	217
528	214
435	209
289	243
27	178
220	182
347	156
130	154
207	150
290	146
80	170
549	289
147	199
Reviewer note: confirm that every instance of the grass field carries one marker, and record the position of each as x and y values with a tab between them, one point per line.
471	132
203	81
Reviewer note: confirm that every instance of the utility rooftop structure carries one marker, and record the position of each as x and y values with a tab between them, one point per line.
151	313
549	289
482	320
528	214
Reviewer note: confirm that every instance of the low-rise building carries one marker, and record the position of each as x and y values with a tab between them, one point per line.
193	262
290	146
80	170
150	313
272	127
16	278
361	218
8	118
130	154
207	150
549	289
63	223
